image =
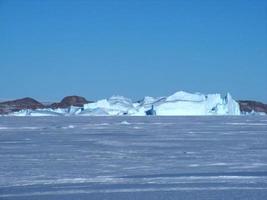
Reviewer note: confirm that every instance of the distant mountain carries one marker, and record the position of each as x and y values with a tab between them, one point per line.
19	104
68	101
27	103
248	106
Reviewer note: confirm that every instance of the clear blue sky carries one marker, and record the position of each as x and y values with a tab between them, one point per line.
97	48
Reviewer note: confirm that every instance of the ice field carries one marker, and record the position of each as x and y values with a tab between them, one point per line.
212	157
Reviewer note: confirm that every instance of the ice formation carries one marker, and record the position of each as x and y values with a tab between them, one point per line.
179	103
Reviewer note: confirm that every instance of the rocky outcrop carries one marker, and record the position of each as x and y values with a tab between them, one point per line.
68	101
19	104
29	103
252	106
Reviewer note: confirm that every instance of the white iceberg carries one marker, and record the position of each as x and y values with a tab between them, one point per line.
38	113
116	105
180	103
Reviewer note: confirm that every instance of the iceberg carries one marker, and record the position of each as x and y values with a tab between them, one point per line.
180	103
183	103
37	113
116	105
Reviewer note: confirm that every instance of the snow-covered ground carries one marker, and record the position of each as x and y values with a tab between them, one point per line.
180	103
212	157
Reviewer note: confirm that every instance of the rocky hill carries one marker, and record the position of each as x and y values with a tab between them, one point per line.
70	101
19	104
30	103
248	106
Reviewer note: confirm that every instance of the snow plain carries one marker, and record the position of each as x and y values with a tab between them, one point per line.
48	158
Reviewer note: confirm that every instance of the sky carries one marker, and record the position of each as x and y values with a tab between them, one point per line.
99	48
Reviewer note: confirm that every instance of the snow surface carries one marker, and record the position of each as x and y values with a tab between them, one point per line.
133	158
180	103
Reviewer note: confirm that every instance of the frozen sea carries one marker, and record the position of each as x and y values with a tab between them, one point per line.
57	158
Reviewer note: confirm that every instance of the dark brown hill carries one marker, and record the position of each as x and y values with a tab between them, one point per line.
249	106
70	101
19	104
29	103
